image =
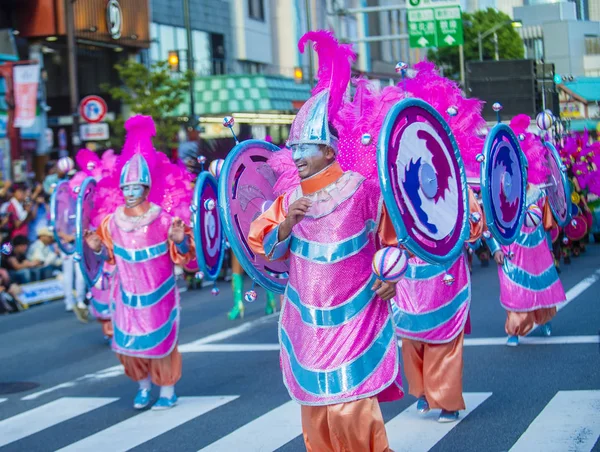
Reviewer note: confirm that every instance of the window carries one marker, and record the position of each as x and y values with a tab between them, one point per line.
592	45
256	10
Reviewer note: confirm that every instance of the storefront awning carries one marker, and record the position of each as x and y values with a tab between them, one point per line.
228	94
579	125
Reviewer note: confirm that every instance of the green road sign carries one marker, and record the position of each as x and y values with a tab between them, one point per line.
421	28
449	27
434	27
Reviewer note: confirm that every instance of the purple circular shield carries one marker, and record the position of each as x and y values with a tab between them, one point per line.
557	187
423	181
90	262
208	232
503	182
63	207
245	192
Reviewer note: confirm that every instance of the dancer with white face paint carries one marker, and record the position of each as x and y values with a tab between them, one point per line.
145	243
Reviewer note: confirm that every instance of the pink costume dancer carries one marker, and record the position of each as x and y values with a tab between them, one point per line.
530	289
431	316
144	242
338	349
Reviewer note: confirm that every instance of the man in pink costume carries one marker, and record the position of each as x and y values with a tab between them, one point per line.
338	350
530	289
145	242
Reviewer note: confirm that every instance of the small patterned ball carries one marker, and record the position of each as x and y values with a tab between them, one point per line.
91	166
487	235
452	111
201	159
76	189
210	204
250	296
475	217
366	139
199	275
544	120
193	208
215	291
521	137
228	121
533	216
65	164
77	257
574	223
449	279
497	106
480	158
6	248
215	167
88	295
401	66
390	264
565	240
510	255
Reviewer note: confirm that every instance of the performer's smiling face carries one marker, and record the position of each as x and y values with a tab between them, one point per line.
134	195
311	159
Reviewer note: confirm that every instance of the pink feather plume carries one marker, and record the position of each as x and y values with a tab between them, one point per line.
535	151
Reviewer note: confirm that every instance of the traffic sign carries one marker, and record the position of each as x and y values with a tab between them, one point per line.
434	23
93	109
94	132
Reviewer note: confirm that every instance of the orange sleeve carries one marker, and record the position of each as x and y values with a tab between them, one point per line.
477	227
265	224
547	216
177	256
104	233
387	233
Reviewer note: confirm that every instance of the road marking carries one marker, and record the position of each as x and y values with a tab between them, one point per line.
3	400
412	433
570	421
45	416
141	428
268	432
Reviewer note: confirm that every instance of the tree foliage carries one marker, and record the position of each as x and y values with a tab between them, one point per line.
510	45
152	91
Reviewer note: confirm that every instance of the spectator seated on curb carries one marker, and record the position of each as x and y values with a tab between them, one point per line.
21	269
8	294
45	250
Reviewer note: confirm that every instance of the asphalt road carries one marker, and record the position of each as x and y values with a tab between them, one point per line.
62	387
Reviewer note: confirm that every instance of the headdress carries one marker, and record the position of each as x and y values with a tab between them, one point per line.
136	172
535	151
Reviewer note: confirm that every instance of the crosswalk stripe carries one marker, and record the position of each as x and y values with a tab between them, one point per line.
148	425
410	432
268	432
570	421
48	415
3	400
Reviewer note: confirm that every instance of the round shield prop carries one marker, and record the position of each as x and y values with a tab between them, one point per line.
63	206
557	187
503	184
245	192
423	181
577	228
208	232
91	263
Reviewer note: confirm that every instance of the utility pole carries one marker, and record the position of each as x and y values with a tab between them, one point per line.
461	62
190	59
310	54
72	62
496	53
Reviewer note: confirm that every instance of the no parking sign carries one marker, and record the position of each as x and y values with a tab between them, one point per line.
93	109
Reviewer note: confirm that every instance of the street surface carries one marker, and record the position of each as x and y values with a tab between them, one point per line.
72	395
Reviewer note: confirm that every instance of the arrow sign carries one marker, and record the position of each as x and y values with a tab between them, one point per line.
449	40
423	41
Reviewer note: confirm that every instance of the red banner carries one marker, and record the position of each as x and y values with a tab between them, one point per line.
25	81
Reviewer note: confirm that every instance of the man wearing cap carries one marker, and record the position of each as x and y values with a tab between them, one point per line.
145	243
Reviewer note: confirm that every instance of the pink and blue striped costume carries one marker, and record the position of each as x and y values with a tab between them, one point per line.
337	337
102	293
529	280
146	305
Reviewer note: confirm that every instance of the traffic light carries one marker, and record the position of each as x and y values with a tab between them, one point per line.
174	60
298	75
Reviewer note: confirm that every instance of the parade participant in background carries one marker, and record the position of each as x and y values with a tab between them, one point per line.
237	284
530	289
145	242
336	315
432	342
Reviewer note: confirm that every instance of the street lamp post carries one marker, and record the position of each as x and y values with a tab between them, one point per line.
492	31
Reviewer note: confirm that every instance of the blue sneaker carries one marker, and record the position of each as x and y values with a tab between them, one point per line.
546	329
164	404
142	399
512	341
422	405
448	416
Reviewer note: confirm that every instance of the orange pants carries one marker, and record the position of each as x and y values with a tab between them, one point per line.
163	371
521	323
107	327
435	371
345	427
